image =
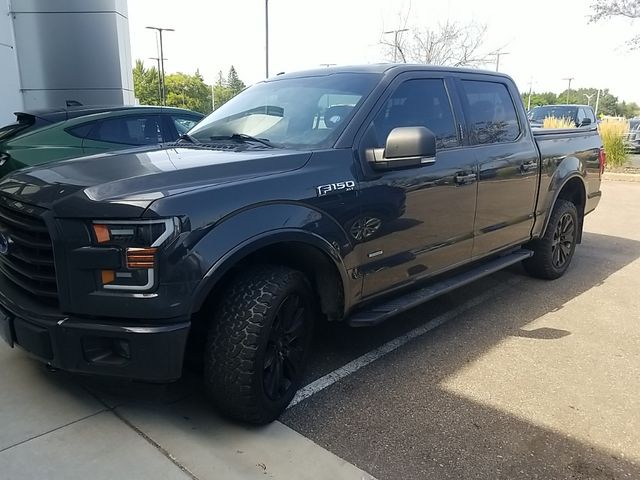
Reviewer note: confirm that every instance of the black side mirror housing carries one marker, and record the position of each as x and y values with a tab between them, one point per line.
406	147
585	122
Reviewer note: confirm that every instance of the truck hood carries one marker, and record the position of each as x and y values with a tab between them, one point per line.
126	183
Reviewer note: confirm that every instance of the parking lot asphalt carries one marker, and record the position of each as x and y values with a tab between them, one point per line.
540	381
526	379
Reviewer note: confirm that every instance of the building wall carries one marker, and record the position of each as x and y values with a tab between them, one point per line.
10	94
70	50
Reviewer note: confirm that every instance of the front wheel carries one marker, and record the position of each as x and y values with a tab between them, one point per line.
553	252
258	344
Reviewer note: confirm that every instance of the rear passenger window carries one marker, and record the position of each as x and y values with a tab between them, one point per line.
134	130
418	103
491	114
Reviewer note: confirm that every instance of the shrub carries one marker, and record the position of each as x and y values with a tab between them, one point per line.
554	122
613	131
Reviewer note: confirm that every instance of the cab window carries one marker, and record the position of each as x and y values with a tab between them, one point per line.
491	113
418	103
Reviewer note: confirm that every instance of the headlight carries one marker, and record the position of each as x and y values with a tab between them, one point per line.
139	241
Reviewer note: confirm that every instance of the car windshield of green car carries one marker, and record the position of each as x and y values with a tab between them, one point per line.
302	112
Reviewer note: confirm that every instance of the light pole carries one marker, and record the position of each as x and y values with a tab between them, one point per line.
160	30
498	54
395	41
266	38
569	79
589	97
157	59
597	104
530	93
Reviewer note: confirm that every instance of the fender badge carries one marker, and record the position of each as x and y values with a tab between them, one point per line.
346	186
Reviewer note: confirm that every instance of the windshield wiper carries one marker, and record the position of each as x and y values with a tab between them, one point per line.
243	137
187	138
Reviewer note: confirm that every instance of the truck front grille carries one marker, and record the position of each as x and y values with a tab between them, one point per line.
26	251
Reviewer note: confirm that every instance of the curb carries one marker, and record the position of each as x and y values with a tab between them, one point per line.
621	177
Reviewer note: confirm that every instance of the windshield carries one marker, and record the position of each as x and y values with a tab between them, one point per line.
538	114
291	112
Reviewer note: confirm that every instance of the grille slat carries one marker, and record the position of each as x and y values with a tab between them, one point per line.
40	274
27	285
29	262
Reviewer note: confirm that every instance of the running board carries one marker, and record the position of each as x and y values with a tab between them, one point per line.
380	312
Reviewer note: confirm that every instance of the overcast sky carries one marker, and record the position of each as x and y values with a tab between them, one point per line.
547	40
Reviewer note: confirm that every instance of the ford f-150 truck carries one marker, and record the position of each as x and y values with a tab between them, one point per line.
341	194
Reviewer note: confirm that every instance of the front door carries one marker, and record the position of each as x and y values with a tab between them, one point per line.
415	221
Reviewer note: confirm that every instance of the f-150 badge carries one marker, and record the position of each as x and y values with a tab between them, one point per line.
347	186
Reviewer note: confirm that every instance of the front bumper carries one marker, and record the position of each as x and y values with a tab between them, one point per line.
128	349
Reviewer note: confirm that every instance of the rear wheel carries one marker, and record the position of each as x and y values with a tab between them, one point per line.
258	344
554	251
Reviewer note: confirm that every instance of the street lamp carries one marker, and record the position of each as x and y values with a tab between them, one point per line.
530	93
589	97
162	59
569	79
396	46
498	54
157	59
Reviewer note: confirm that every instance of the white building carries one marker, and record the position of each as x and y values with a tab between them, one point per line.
54	51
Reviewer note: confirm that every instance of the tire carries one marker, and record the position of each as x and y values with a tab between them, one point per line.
258	344
553	252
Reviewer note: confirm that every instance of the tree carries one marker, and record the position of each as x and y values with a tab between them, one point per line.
606	9
181	89
227	88
146	84
188	91
450	43
538	99
233	81
608	103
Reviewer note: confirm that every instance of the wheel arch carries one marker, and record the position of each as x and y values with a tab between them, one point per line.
574	190
298	249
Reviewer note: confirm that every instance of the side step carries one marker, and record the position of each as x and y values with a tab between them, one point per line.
380	312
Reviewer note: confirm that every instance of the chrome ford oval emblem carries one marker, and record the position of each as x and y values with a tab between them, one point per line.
4	243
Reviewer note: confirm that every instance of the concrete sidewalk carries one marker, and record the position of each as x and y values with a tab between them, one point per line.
56	427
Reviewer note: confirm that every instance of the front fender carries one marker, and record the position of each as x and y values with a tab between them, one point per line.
242	233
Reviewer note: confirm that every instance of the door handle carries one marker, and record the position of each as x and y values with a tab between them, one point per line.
464	179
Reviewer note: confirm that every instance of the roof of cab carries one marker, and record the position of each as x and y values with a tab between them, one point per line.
382	68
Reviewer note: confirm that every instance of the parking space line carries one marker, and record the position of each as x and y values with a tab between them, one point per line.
370	357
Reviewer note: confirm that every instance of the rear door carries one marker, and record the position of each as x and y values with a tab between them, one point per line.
508	162
416	221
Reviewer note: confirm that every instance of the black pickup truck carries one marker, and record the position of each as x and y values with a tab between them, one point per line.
341	194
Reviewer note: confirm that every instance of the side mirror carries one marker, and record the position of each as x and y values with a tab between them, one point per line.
585	122
405	147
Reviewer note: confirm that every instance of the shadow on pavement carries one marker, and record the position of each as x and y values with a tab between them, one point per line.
394	419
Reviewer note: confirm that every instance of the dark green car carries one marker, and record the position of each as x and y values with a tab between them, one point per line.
43	137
